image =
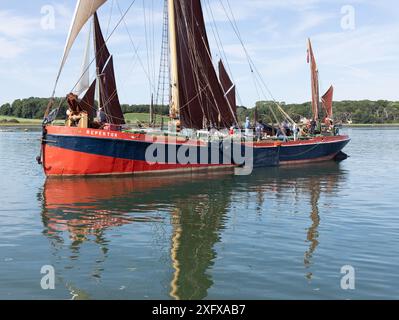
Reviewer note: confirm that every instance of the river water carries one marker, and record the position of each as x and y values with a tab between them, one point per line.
281	233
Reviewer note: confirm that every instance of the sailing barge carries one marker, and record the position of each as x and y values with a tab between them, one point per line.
203	113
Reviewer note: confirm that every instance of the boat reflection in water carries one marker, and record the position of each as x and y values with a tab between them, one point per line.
190	214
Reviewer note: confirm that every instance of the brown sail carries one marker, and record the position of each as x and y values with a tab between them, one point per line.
87	102
108	93
100	47
229	89
201	98
327	101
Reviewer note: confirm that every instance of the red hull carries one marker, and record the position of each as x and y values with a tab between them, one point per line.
72	151
62	162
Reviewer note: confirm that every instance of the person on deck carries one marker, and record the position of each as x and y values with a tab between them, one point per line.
101	116
258	130
313	125
247	126
329	124
74	113
281	134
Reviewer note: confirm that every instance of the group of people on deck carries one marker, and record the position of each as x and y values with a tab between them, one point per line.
286	129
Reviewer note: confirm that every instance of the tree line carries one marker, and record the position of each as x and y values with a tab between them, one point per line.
34	108
364	111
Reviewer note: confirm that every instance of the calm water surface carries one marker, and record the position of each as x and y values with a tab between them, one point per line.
282	233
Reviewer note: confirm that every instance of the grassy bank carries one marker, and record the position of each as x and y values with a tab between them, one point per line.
131	118
12	121
144	118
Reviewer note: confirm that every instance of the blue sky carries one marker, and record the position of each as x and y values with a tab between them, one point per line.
356	44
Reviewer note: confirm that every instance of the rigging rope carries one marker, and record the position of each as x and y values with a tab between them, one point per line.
220	46
110	17
135	49
147	45
252	65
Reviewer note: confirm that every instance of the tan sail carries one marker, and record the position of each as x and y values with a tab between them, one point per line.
84	82
314	81
84	10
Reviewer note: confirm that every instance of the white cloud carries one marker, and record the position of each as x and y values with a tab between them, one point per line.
311	20
9	49
13	25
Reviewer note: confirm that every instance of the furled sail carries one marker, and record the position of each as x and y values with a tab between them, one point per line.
84	82
87	102
327	101
83	11
229	89
200	96
314	81
108	93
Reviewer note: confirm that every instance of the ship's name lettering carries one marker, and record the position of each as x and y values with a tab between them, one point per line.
102	133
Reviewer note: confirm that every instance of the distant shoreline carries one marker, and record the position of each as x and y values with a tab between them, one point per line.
142	117
23	124
365	125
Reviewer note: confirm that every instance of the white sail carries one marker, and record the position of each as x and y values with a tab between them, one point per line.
84	10
84	82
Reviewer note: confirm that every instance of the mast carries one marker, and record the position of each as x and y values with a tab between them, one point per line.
98	86
152	122
175	102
